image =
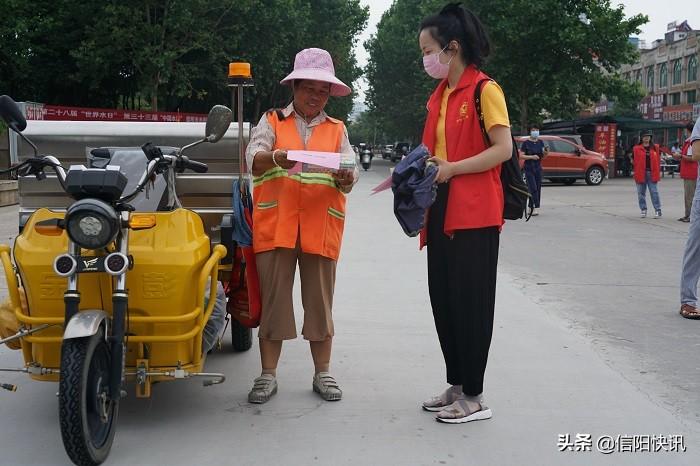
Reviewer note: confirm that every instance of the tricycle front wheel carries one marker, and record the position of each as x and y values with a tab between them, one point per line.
86	413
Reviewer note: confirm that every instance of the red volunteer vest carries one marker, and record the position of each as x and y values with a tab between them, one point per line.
640	163
475	200
689	169
305	204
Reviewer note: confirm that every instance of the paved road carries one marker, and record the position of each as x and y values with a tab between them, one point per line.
614	277
587	341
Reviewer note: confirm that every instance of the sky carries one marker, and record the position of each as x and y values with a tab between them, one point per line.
660	13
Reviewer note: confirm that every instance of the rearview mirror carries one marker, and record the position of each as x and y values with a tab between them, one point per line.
577	151
218	121
11	114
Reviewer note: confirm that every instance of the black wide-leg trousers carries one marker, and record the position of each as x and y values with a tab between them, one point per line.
462	285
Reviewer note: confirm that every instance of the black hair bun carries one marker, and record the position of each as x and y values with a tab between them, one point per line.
452	9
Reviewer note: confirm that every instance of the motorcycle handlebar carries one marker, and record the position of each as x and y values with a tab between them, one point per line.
197	167
156	158
35	166
177	162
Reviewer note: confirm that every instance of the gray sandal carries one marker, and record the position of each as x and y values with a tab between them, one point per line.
325	385
446	398
263	388
460	412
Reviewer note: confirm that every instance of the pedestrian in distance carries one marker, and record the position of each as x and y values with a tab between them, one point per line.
619	158
675	149
464	223
689	173
299	218
647	173
533	151
627	165
690	273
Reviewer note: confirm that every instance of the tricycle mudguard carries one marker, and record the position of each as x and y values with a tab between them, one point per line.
85	324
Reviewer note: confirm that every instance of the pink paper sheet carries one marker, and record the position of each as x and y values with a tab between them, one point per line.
383	186
322	159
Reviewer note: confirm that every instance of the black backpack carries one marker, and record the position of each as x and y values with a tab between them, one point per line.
515	192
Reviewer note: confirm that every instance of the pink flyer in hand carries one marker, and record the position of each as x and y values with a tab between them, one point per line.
322	159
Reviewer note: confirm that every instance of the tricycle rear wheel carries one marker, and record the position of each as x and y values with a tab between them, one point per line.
241	336
86	414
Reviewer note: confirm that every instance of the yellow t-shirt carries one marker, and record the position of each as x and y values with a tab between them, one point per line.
493	105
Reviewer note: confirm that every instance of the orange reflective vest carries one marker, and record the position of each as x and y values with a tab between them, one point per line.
306	204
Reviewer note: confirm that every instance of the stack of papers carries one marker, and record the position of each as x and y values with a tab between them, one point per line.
318	162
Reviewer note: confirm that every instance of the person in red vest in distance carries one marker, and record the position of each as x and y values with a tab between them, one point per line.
689	173
464	223
647	173
298	217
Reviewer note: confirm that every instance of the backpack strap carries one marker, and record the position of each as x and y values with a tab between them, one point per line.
479	113
513	160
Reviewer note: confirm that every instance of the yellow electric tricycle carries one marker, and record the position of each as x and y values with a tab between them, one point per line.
103	293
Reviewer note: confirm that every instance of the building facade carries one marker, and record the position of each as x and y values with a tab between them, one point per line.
670	74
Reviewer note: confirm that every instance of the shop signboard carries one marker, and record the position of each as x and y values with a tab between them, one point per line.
678	113
606	139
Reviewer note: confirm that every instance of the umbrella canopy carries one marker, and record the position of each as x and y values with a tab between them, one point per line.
242	213
414	188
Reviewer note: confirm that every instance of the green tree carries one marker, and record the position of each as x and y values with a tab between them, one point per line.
273	33
169	54
349	19
566	57
161	47
37	40
627	99
551	57
398	87
363	129
277	32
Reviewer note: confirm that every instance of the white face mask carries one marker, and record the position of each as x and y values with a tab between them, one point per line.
434	68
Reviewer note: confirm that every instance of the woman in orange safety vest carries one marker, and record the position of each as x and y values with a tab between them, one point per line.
298	217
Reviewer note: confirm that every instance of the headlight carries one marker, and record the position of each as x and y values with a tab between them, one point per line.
91	223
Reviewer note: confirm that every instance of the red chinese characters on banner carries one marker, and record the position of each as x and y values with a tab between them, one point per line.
54	112
606	139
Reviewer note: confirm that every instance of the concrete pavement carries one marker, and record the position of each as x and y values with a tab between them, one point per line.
560	362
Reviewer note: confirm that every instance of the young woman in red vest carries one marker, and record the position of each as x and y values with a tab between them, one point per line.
298	217
464	223
647	173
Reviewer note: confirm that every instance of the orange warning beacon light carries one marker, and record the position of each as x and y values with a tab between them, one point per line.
239	70
239	75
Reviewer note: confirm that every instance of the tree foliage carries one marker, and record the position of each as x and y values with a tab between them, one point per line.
169	54
398	87
552	57
364	128
627	97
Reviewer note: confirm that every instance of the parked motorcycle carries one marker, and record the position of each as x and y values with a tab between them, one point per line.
104	293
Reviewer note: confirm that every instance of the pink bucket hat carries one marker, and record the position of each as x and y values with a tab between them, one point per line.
317	65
